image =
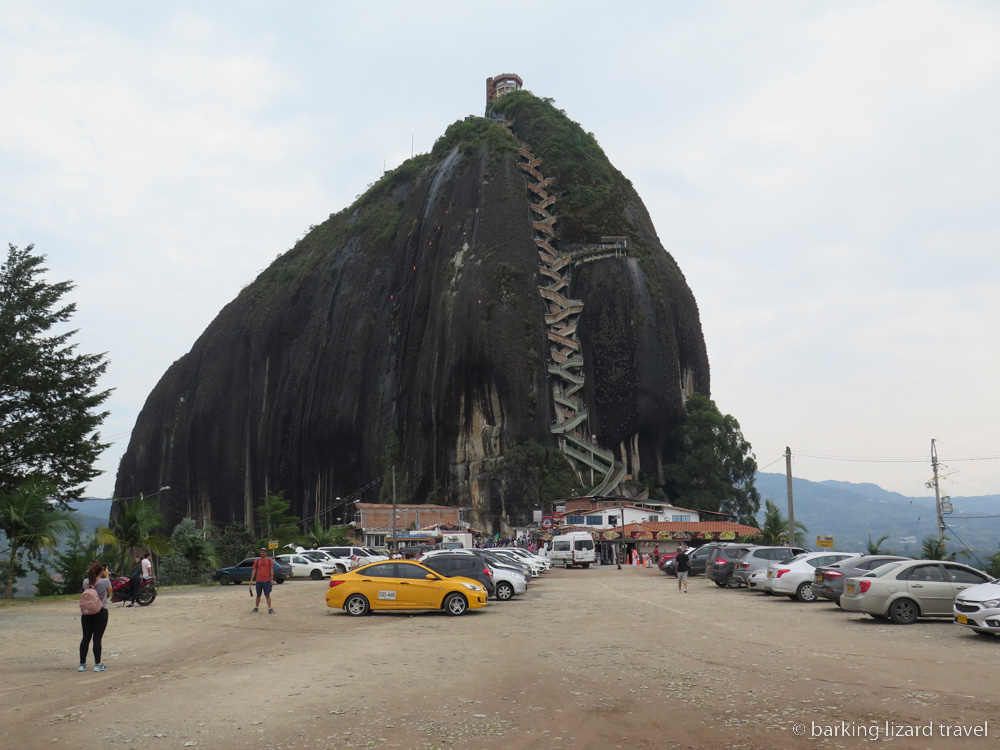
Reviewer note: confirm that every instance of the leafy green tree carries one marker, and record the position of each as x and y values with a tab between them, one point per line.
273	517
235	543
774	528
935	549
31	524
130	531
193	557
70	565
49	397
714	465
875	548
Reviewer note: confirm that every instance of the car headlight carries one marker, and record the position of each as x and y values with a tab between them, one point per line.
990	604
472	586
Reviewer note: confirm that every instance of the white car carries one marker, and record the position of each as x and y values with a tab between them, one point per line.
542	563
794	578
324	557
978	608
353	556
758	580
302	566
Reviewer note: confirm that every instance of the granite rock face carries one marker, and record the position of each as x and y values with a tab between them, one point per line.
415	312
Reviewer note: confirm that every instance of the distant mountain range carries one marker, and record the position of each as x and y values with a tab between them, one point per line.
851	512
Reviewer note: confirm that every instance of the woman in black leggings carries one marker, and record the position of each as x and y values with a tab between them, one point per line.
95	625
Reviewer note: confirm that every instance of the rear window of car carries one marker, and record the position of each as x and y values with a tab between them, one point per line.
882	570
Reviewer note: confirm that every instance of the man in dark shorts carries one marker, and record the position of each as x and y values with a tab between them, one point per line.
683	567
263	573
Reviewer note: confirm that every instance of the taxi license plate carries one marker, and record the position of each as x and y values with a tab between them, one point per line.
819	577
769	573
850	588
962	619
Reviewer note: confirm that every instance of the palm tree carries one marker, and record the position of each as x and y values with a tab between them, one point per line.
934	549
774	530
32	524
131	530
875	548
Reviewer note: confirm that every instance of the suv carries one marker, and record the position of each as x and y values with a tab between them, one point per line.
759	558
721	564
507	580
467	566
696	562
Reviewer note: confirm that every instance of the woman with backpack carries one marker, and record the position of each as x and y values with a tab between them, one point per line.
94	614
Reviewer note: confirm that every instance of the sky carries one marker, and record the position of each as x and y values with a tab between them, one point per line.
824	173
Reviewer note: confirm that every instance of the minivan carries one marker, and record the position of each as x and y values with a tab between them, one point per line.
574	548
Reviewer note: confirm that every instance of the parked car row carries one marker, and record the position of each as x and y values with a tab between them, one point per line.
886	587
452	580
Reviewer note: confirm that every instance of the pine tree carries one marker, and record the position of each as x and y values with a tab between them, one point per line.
48	392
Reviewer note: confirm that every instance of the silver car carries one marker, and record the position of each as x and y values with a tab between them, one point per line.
758	558
904	591
978	608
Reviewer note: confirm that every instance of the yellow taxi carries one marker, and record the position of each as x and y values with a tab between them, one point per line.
402	585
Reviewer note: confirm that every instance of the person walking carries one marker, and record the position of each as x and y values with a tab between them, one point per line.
135	580
683	567
94	625
262	573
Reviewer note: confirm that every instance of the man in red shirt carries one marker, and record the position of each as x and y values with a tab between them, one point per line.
263	572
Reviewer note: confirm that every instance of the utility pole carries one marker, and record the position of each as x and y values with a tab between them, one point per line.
937	494
393	508
791	504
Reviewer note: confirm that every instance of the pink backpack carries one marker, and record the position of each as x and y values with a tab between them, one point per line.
90	602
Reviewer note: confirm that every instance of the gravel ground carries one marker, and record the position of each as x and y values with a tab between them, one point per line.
599	658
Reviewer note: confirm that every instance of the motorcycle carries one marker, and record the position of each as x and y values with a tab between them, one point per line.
121	591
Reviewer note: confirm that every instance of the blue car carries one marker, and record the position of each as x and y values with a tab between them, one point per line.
241	572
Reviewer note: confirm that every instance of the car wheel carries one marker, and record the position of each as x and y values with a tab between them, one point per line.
225	579
356	606
805	593
279	580
904	611
341	569
586	565
316	575
720	584
455	604
732	582
504	591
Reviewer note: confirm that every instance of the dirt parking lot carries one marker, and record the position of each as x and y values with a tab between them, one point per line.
599	658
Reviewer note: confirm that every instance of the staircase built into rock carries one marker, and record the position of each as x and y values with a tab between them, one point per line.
565	363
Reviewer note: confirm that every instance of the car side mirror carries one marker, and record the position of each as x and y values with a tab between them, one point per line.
431	577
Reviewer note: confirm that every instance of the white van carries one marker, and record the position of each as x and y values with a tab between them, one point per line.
574	548
456	541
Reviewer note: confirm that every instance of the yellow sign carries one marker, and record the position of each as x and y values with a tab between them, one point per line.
272	545
824	541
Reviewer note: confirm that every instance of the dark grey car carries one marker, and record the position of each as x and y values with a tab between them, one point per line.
829	580
721	564
696	562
